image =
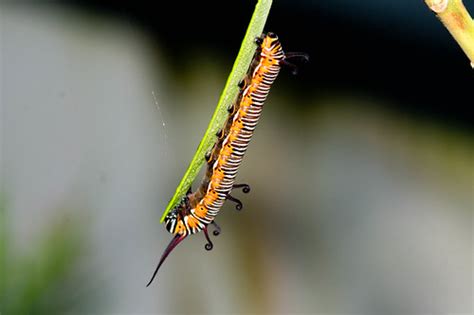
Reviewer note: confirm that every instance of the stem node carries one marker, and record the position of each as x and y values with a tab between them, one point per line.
437	6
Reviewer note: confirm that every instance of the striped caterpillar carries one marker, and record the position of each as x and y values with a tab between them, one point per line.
197	210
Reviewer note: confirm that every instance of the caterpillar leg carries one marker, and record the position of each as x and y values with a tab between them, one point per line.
238	205
245	187
209	245
217	228
208	157
220	133
190	190
186	198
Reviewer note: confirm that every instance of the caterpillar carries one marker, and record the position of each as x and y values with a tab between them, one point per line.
197	210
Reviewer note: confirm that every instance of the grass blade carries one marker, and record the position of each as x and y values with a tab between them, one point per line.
241	65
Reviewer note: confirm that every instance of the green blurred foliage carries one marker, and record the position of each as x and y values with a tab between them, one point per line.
40	281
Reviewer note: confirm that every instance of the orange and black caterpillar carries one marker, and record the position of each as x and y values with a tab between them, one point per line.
197	210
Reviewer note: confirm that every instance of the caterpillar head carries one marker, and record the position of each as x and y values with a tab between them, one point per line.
170	220
270	47
265	40
174	223
272	35
269	40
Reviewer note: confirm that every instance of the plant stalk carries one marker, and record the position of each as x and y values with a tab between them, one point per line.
456	19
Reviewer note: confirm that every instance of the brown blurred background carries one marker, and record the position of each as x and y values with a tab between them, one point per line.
361	168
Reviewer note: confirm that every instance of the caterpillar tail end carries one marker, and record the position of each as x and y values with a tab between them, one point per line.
174	242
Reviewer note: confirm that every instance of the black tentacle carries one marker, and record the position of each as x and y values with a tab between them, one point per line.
217	230
292	67
294	55
174	242
299	55
245	187
238	205
209	245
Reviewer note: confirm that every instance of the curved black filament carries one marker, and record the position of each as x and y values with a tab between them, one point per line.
174	242
294	55
217	230
238	205
297	55
209	244
245	187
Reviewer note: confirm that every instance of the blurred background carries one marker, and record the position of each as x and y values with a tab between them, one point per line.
361	168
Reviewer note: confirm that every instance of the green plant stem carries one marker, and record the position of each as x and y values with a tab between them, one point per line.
241	65
456	19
